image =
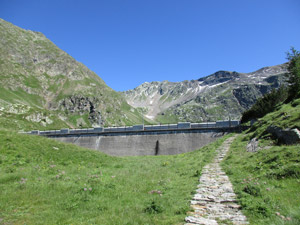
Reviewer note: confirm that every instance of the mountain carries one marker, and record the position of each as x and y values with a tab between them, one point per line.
45	86
221	95
42	86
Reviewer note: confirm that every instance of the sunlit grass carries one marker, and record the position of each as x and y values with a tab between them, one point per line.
47	182
266	182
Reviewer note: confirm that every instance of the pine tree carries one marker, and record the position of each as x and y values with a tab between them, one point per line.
294	73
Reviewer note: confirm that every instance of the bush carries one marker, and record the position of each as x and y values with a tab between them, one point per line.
266	104
252	190
153	208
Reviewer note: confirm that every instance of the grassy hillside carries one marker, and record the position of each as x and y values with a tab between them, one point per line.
48	182
37	75
267	182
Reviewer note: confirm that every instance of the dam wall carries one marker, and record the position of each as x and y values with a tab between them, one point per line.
144	140
144	144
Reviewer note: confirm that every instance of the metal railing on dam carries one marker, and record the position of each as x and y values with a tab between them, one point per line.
140	128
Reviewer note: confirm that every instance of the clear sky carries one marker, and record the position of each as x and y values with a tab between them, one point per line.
128	42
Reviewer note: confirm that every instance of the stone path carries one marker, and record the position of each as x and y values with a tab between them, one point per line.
215	200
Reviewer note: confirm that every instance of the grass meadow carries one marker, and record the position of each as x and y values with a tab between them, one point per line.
47	182
267	182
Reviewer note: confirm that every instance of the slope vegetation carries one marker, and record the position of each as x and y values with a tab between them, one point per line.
48	182
44	85
267	181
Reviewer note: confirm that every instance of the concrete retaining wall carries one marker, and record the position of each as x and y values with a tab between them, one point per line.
144	144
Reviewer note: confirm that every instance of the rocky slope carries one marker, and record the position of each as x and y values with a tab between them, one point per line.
221	95
35	74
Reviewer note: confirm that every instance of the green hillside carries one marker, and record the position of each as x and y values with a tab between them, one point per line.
267	180
45	86
47	182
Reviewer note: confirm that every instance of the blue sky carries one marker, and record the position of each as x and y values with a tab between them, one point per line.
128	42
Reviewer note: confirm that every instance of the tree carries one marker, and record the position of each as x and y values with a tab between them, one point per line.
268	102
265	104
294	74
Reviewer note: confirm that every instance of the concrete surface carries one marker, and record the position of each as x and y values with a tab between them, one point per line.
150	143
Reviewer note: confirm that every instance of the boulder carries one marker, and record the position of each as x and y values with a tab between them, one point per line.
286	136
252	146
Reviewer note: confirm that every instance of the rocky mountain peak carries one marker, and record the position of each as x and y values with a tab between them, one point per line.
213	97
219	77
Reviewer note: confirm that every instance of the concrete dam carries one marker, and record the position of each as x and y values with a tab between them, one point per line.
144	140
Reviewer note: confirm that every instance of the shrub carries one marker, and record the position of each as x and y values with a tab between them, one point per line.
153	208
252	190
266	104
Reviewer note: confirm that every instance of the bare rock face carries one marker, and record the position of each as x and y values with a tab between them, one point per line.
40	118
83	105
285	136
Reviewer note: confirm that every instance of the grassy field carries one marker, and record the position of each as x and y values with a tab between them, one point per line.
47	182
268	182
285	116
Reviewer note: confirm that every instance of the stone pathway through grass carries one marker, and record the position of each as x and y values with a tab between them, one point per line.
215	201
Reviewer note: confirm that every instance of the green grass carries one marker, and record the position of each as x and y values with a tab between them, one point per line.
18	121
20	95
47	182
267	182
167	118
72	118
285	116
165	98
32	81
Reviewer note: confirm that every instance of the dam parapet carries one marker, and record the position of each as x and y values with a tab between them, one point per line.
140	128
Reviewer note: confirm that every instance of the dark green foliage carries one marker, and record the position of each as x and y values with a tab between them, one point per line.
288	171
268	102
252	190
153	208
294	74
265	104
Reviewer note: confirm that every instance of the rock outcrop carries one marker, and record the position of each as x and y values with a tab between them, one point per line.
285	136
83	105
252	146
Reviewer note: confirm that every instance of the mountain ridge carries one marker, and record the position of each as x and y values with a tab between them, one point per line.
160	98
